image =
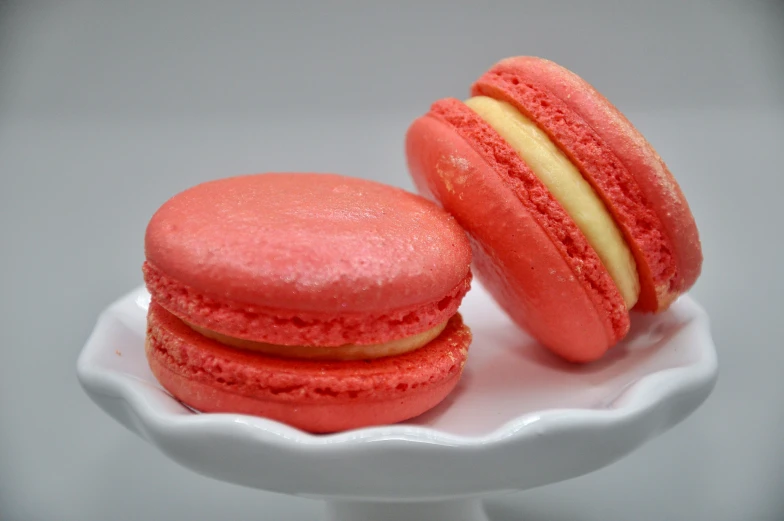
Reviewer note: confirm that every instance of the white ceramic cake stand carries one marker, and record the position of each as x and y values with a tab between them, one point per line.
520	418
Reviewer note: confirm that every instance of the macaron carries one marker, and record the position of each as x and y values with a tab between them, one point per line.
321	301
574	218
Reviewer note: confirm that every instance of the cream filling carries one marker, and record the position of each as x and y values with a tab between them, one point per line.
340	353
569	188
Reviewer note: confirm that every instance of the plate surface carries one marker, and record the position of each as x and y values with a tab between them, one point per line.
520	417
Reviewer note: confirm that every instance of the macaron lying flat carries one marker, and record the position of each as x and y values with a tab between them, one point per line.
575	220
318	300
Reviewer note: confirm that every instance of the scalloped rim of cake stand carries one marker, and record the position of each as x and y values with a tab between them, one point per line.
544	439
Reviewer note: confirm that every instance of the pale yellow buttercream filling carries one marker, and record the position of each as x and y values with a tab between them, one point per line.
568	187
341	353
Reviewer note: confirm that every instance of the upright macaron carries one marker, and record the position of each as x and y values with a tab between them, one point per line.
575	219
322	301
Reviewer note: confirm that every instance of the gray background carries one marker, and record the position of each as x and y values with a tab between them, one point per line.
109	108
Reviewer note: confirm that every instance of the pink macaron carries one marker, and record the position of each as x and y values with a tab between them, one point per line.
574	218
322	301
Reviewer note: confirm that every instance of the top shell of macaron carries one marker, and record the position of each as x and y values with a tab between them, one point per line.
310	242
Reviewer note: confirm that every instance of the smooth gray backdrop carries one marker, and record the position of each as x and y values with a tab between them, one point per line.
109	108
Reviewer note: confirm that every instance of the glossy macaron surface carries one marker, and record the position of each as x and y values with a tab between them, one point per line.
306	259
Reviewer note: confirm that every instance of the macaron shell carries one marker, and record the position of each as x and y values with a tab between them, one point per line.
527	251
614	157
319	243
296	327
311	417
313	396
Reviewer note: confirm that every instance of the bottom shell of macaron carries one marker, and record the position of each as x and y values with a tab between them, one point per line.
313	395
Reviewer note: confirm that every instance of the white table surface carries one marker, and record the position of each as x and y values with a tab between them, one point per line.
105	113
